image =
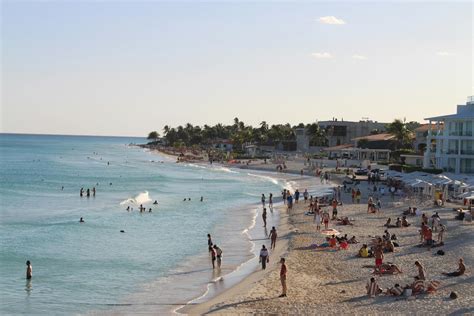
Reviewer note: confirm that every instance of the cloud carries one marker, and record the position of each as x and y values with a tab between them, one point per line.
445	54
331	20
322	55
359	57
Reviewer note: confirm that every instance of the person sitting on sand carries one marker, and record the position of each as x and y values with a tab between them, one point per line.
398	222
364	251
397	290
333	242
388	224
389	268
389	246
344	221
421	271
353	240
405	222
373	289
460	271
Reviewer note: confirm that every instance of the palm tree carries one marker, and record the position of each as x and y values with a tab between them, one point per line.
402	134
153	136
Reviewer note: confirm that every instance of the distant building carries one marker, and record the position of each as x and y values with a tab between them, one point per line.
451	141
342	132
376	141
421	134
302	140
223	144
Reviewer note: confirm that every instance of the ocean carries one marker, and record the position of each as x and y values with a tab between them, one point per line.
160	260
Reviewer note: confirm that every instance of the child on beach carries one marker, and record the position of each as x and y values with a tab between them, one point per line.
218	256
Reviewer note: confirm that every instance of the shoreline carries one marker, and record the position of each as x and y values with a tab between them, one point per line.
333	282
285	230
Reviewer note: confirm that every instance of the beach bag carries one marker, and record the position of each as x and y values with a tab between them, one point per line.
440	252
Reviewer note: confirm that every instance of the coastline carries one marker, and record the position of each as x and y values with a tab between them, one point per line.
333	282
286	229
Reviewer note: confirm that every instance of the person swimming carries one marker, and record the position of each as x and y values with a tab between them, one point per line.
81	220
202	198
29	270
156	202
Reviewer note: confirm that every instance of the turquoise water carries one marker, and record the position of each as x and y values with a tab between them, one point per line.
90	267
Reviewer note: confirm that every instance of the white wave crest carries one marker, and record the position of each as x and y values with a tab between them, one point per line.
273	180
141	198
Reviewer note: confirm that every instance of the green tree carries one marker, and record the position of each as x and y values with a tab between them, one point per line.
153	136
402	134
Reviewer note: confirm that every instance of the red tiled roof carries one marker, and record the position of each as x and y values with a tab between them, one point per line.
426	127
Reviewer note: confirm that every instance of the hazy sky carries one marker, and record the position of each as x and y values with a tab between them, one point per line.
125	68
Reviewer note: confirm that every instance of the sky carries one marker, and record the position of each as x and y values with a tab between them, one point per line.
126	68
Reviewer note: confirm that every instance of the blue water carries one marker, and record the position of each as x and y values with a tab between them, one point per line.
81	268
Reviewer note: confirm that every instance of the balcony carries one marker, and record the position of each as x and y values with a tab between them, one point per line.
467	152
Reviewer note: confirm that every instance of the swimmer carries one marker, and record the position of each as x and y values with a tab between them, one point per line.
189	199
29	270
149	211
81	220
156	202
128	208
202	198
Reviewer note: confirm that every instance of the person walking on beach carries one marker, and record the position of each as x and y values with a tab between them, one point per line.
264	217
270	202
297	196
273	237
283	272
305	195
29	270
283	194
264	259
218	255
263	200
289	201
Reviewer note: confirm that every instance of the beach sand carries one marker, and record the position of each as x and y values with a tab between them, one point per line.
334	282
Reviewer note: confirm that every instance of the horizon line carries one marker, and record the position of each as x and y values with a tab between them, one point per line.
71	135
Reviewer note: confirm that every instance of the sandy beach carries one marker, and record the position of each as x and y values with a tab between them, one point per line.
327	281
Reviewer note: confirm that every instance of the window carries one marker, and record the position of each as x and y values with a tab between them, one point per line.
467	166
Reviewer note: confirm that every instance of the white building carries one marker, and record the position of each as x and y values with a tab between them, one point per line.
452	148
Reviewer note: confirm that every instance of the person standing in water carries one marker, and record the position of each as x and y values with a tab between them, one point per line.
218	256
209	242
264	217
270	201
81	192
88	192
213	257
29	270
273	237
93	191
263	200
